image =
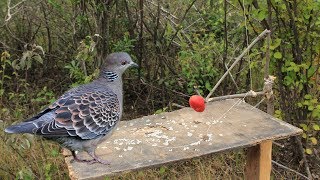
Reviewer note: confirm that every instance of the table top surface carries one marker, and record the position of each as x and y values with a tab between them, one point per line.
179	135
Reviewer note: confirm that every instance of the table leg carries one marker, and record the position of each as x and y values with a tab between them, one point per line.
258	166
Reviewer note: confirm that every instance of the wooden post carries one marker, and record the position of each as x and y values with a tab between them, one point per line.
258	166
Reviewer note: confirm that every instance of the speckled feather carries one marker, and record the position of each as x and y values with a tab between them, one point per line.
86	113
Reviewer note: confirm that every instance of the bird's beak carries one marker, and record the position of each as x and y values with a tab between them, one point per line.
133	64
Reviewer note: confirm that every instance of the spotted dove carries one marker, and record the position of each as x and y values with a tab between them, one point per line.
82	117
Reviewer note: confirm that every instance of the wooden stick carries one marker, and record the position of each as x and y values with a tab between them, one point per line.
270	103
266	68
236	61
232	96
258	164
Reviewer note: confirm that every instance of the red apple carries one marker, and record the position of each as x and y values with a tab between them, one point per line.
197	103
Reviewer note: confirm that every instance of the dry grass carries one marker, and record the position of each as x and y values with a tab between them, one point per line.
29	157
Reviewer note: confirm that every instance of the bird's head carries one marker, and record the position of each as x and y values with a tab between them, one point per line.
117	63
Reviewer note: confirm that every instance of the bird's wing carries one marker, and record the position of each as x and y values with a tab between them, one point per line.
85	115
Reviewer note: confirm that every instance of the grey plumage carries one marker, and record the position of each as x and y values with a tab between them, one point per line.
82	117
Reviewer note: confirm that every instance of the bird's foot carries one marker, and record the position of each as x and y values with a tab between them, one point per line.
92	161
81	160
78	159
96	159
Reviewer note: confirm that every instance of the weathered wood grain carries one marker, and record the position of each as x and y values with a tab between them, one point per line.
183	134
258	164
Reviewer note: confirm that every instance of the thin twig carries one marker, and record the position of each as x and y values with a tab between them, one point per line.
194	22
305	161
266	69
9	14
316	154
197	90
177	105
163	9
268	80
278	144
234	82
236	61
289	169
175	27
259	103
181	20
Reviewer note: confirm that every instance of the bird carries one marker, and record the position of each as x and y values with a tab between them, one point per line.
83	116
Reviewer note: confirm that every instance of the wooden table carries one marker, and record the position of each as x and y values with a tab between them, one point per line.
184	134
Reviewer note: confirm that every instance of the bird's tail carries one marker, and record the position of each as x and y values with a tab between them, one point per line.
24	127
32	124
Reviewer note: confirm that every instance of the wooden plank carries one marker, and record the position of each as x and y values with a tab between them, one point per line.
258	164
183	134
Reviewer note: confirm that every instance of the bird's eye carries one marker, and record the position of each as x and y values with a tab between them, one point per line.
123	62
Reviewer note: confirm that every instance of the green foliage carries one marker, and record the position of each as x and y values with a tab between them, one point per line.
159	111
278	114
198	63
298	71
25	174
5	62
44	96
311	127
29	56
83	69
77	73
277	55
162	170
124	45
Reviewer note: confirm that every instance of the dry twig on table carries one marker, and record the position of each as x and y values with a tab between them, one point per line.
232	96
177	105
